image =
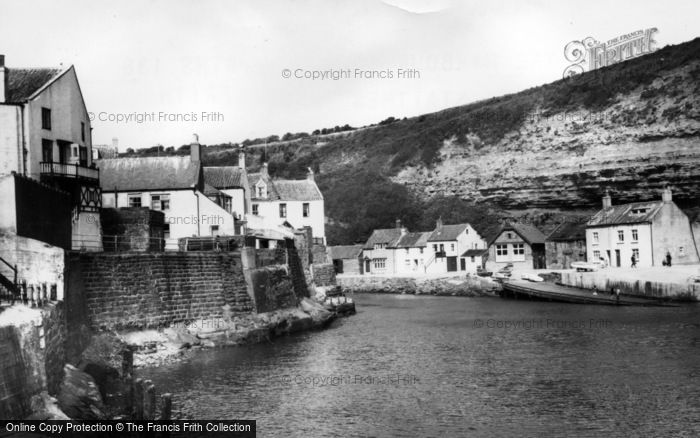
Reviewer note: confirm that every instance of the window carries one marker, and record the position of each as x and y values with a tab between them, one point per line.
473	260
635	236
408	263
635	254
305	209
160	202
45	118
82	130
452	246
255	209
596	238
509	235
519	248
283	210
620	236
421	250
134	200
379	263
214	230
681	251
639	210
46	150
596	255
379	245
435	248
166	231
442	247
501	250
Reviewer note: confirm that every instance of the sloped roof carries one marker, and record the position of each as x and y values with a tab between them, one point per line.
623	214
528	233
223	177
148	173
447	232
345	251
287	189
568	231
413	240
386	235
22	83
210	190
474	252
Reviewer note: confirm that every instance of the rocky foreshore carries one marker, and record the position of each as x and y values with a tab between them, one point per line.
155	347
470	286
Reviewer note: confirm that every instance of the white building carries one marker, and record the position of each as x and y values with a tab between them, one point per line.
450	249
279	205
45	135
174	185
649	231
232	181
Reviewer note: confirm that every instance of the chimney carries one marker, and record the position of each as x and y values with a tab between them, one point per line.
263	171
115	144
3	80
398	224
438	224
607	201
241	157
195	148
667	196
310	174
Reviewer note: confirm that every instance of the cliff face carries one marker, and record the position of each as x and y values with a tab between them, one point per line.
641	141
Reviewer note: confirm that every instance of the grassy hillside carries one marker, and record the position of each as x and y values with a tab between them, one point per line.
355	167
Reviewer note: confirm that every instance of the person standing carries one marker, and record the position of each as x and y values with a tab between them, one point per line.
634	261
668	258
617	295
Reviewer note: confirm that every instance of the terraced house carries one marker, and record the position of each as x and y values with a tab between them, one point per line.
279	206
174	185
649	231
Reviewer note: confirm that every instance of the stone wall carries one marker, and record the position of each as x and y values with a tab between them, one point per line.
54	338
323	274
132	229
14	401
137	290
38	263
463	286
560	255
319	254
296	272
271	287
603	281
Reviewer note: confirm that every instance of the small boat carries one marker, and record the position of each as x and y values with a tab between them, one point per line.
341	305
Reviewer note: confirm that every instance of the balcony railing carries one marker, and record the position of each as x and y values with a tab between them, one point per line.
69	170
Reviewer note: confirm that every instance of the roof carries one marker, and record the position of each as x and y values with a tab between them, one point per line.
568	231
223	177
287	189
148	173
623	214
213	191
528	233
345	252
390	236
474	252
413	240
447	232
22	83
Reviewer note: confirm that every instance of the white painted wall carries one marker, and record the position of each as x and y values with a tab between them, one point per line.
468	239
269	215
608	241
183	216
410	260
237	200
10	139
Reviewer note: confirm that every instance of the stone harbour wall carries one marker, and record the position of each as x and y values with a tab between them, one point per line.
463	286
323	274
138	290
272	288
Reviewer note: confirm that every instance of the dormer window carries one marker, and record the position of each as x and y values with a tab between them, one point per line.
380	246
639	210
261	190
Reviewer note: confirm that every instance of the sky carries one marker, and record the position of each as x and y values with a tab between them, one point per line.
157	71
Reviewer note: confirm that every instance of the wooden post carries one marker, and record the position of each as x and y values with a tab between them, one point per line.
166	406
138	399
149	401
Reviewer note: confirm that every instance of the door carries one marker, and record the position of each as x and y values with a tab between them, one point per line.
618	261
463	264
367	266
451	264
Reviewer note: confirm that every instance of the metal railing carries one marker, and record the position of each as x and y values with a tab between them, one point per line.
9	288
69	170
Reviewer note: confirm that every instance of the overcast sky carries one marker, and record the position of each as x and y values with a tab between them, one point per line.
187	57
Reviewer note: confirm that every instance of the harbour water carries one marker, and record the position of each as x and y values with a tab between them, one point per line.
452	366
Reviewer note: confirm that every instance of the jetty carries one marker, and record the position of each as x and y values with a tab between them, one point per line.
513	288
